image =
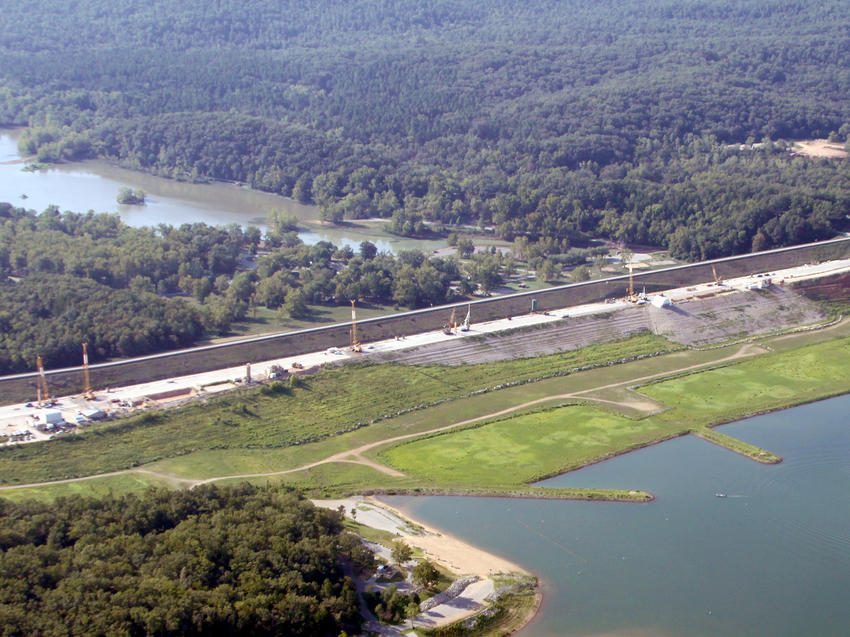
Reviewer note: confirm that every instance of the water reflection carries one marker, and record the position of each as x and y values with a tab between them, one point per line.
94	185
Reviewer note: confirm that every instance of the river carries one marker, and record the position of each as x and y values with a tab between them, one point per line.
771	558
94	185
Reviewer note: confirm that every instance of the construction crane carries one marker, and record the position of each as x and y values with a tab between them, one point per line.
355	342
465	326
88	394
631	296
449	327
717	279
44	399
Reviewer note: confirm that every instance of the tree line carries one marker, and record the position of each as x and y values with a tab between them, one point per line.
210	561
68	278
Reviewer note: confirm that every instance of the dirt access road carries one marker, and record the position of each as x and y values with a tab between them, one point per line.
356	456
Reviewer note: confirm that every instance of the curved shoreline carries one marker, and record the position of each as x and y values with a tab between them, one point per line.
489	566
434	553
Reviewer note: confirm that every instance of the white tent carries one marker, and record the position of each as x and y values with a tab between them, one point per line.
53	417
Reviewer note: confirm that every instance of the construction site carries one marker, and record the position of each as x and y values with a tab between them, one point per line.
21	388
715	311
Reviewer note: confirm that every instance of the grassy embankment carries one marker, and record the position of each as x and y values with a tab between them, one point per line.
532	446
503	454
253	431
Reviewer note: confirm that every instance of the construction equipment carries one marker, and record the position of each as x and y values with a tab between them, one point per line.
276	371
44	399
449	328
355	342
465	326
631	295
717	279
88	394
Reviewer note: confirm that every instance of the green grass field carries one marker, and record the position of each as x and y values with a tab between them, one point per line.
251	433
329	402
524	449
773	381
95	487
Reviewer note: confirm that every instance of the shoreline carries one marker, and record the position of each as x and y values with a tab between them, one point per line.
435	546
571	494
448	540
444	557
445	549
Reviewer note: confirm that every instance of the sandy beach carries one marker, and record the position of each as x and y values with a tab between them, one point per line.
453	553
458	556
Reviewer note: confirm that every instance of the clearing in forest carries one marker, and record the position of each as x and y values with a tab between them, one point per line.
819	148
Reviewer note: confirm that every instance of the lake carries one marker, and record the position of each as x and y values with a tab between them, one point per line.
94	185
772	558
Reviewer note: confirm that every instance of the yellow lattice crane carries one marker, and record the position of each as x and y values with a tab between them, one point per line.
449	328
43	395
88	394
355	342
717	279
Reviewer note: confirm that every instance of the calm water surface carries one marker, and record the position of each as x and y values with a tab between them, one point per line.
772	558
94	185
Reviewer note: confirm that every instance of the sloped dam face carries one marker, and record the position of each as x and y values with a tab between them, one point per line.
22	387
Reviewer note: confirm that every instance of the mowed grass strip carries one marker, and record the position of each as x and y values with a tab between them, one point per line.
757	385
96	488
529	447
329	402
331	480
524	449
738	446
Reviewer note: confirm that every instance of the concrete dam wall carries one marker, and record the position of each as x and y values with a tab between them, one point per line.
22	387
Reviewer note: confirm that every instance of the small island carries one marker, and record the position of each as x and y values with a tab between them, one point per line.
130	197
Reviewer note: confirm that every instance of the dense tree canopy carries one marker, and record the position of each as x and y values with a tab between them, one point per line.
66	278
541	118
209	561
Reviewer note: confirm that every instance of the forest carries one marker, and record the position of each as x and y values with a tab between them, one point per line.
662	122
68	278
211	561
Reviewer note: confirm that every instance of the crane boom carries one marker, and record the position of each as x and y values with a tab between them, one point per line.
449	327
717	279
88	393
355	342
43	394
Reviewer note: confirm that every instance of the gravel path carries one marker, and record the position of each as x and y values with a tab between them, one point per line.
356	455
